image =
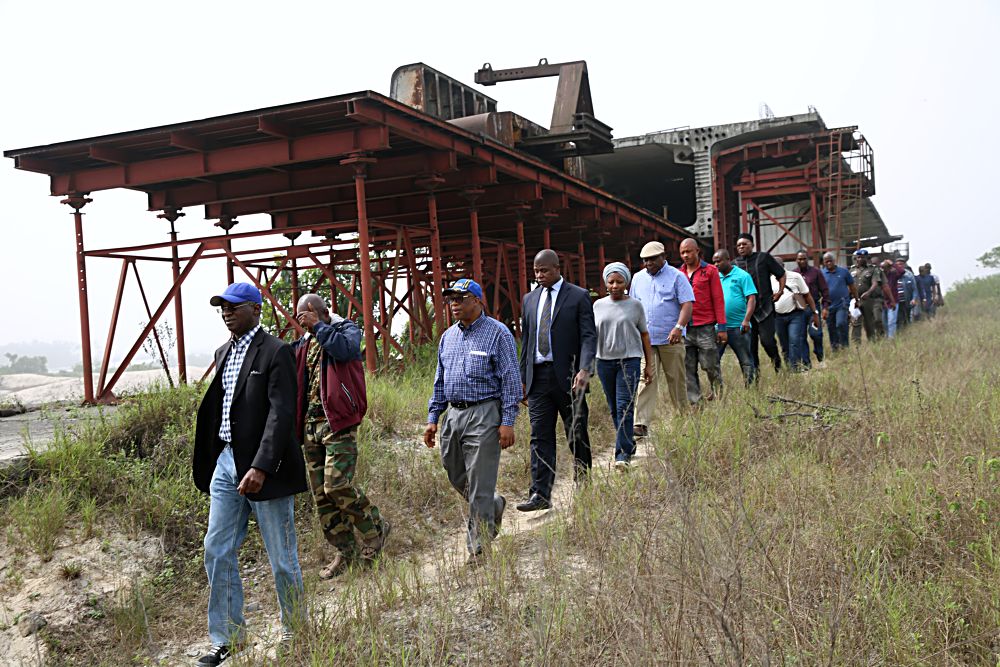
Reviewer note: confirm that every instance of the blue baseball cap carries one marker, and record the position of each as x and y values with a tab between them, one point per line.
862	251
465	286
237	293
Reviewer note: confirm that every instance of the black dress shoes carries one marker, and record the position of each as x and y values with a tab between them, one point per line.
534	503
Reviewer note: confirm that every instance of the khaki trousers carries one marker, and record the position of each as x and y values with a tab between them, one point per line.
670	360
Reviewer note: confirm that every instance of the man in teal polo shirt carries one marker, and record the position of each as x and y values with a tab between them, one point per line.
741	298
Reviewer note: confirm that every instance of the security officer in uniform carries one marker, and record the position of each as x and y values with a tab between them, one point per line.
872	290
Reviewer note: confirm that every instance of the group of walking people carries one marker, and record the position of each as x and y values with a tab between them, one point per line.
279	419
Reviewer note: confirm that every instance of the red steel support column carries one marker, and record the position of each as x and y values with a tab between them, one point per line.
171	214
291	236
477	251
522	260
547	236
76	202
583	262
227	222
601	263
360	164
439	311
471	195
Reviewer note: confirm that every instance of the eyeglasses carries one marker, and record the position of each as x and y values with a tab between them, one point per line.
456	298
231	309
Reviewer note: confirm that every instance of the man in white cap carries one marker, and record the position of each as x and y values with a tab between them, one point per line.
667	297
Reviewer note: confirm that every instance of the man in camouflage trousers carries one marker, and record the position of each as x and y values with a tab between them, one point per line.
332	401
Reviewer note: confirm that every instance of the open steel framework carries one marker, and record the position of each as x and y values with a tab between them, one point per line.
832	170
393	204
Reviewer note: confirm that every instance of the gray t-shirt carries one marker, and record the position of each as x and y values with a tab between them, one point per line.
619	324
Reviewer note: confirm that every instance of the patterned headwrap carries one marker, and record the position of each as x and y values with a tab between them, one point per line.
619	268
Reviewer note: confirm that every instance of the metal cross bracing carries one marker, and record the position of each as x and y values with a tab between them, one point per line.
382	204
805	189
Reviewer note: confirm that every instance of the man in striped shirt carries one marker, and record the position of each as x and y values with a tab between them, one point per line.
478	382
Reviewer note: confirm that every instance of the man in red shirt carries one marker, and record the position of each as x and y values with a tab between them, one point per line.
707	329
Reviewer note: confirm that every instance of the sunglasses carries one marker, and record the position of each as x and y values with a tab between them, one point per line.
456	298
231	308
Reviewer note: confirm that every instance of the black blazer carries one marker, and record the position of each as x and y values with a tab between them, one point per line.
574	335
262	419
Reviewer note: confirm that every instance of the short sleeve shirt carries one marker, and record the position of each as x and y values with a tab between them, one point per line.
737	286
837	281
662	296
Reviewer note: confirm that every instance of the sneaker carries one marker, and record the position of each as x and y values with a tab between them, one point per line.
216	656
373	547
622	465
337	567
640	431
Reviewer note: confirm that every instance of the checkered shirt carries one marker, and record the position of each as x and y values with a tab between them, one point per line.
230	372
476	363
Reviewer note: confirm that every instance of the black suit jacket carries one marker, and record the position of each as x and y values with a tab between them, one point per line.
574	335
262	420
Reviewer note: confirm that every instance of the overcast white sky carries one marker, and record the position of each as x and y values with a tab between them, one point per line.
918	78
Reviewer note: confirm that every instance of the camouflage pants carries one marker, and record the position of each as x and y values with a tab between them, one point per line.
331	459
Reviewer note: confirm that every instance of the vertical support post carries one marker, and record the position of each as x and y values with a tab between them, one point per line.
291	236
547	235
818	238
77	201
471	195
583	261
226	223
436	272
171	215
522	260
601	263
360	164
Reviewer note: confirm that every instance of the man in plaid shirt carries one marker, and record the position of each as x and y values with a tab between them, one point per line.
479	383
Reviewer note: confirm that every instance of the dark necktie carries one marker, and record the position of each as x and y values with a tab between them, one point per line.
545	323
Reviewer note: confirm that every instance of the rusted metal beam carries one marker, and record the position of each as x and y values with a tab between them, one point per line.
220	161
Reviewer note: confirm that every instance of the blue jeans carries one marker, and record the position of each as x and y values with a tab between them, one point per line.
837	322
889	319
790	328
620	379
740	344
228	515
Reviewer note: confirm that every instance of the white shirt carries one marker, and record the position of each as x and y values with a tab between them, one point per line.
553	295
794	284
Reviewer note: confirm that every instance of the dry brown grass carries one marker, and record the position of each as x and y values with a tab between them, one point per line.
861	536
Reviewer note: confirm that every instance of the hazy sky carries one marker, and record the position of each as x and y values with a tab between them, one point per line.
918	78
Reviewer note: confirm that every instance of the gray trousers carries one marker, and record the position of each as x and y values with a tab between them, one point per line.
470	452
700	349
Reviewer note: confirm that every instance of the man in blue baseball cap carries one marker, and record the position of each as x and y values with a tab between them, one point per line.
247	459
477	387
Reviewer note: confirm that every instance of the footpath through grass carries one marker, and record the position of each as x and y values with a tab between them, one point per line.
862	529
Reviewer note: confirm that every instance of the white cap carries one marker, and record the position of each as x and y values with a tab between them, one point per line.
652	249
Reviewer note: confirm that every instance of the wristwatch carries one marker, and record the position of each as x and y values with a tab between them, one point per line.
679	327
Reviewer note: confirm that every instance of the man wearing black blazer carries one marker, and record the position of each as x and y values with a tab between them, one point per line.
558	346
247	458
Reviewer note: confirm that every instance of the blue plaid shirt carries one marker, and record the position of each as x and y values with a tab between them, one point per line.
476	363
230	372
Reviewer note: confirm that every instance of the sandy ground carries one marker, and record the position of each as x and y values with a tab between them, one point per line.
55	401
37	390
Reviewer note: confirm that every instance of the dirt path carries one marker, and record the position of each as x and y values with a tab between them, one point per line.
437	564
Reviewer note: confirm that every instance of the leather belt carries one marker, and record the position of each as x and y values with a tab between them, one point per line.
462	405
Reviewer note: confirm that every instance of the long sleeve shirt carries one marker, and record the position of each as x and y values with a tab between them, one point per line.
709	303
817	286
477	363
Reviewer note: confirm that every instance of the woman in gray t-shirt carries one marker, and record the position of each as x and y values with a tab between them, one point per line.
622	339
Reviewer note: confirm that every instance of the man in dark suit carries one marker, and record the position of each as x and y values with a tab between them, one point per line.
558	346
247	458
